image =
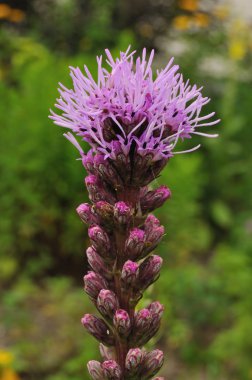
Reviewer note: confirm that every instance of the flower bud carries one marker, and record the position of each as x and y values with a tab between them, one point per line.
107	303
100	240
156	311
98	329
85	213
95	370
107	171
129	274
111	370
152	239
122	322
95	189
122	213
104	210
152	363
150	222
149	271
133	362
107	353
135	243
142	321
93	284
97	263
154	199
88	162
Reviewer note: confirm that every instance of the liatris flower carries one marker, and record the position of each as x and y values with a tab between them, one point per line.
132	122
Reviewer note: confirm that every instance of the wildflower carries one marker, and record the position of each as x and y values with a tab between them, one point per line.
132	122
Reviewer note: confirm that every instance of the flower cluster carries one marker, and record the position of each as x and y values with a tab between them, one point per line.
132	122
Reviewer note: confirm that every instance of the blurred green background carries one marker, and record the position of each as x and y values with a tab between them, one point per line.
206	281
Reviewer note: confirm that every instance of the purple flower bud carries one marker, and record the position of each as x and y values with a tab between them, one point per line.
95	190
133	362
88	162
100	240
95	370
107	303
97	263
142	320
129	274
104	210
152	363
107	171
93	284
149	271
122	212
156	310
107	353
150	222
152	239
111	370
135	243
98	328
85	213
154	199
122	322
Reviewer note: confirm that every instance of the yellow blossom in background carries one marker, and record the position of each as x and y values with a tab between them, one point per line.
6	372
16	15
182	22
5	11
221	12
189	5
237	49
201	20
9	374
6	358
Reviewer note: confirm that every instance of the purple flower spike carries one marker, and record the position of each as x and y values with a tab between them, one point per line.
98	328
95	370
155	198
152	363
111	370
122	322
132	119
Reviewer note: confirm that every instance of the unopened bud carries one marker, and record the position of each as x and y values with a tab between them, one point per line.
150	222
88	162
97	263
122	212
149	271
107	303
93	284
154	199
135	243
100	240
122	322
152	239
133	362
98	329
95	370
111	370
129	274
107	171
152	363
95	190
107	353
156	310
85	213
104	210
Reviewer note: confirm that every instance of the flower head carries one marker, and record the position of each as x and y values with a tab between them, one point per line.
131	108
